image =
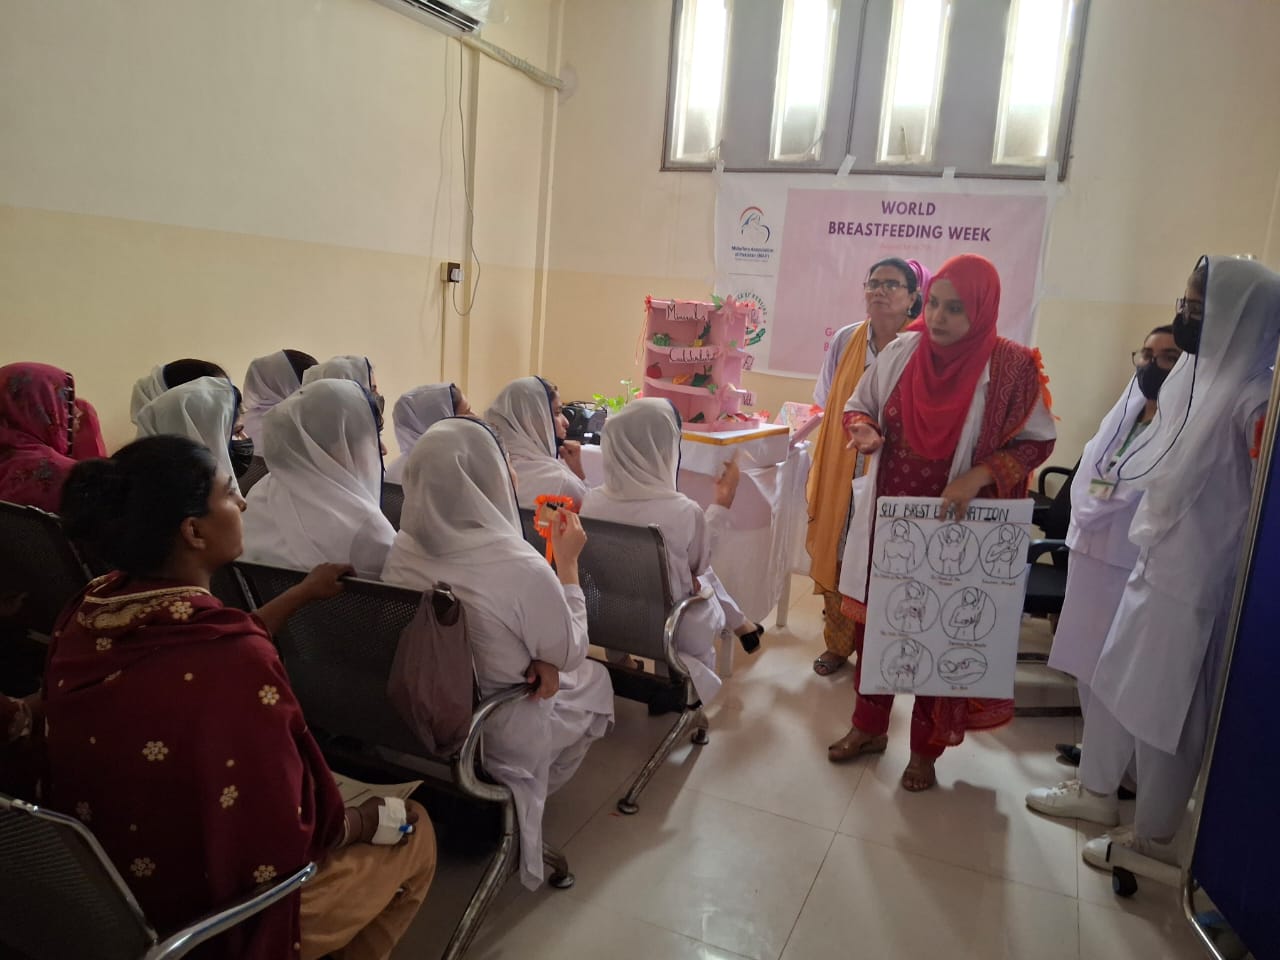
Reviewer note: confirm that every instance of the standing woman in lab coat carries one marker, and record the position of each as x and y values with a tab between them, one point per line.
1157	678
952	411
525	621
1102	555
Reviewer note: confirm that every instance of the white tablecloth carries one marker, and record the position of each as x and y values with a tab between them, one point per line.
755	557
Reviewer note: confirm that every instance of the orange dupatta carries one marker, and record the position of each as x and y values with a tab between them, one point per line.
830	486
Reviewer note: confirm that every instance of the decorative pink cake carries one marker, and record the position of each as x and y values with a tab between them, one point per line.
694	357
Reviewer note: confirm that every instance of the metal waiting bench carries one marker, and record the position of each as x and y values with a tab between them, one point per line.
61	898
623	569
338	654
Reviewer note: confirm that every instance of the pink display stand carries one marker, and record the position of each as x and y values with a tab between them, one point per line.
694	357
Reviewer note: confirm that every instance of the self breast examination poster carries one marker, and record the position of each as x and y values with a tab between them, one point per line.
945	601
800	251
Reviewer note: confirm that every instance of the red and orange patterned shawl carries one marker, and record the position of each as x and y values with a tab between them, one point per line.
173	734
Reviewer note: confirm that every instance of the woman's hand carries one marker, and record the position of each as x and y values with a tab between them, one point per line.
865	438
545	679
567	536
325	581
362	821
571	454
726	485
958	493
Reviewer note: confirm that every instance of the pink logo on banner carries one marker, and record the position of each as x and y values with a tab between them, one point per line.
834	236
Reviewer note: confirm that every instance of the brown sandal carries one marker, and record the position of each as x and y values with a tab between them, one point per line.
916	769
843	750
829	663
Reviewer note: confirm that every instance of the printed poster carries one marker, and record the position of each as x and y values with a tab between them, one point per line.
944	607
801	253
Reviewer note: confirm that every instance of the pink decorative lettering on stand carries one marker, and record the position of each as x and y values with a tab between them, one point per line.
689	310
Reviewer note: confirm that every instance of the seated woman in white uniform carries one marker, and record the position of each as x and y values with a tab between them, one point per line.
204	410
1102	556
528	421
269	380
320	501
166	376
526	622
641	451
417	410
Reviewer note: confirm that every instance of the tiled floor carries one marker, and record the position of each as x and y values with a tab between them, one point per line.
755	846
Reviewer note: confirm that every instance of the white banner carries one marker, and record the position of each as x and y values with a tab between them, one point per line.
800	248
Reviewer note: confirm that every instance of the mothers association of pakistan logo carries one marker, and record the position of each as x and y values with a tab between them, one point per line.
752	243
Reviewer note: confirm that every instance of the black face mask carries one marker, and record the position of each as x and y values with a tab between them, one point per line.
1186	332
1150	379
241	455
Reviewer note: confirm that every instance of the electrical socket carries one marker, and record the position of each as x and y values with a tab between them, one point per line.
451	272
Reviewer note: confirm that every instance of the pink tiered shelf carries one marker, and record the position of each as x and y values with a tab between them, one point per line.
700	345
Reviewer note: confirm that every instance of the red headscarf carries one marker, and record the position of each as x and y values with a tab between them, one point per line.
35	414
88	443
938	383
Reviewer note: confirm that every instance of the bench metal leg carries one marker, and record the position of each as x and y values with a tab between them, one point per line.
495	875
688	718
560	877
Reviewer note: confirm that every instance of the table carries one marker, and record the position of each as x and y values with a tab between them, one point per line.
757	554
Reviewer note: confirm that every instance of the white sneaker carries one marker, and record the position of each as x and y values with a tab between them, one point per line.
1071	799
1123	848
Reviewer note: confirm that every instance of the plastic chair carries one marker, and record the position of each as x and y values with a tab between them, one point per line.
338	654
630	609
257	470
392	502
61	898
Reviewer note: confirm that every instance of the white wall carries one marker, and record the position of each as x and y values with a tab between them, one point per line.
1175	155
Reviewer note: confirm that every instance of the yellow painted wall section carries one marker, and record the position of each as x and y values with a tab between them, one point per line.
182	178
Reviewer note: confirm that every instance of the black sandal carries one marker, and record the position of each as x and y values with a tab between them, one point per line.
751	641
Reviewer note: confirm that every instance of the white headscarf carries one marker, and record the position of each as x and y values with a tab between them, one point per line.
268	380
320	501
641	450
412	415
521	415
1237	343
358	369
458	497
203	409
418	409
145	390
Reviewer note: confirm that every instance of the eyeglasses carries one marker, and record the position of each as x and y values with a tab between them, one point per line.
888	286
1165	359
1191	309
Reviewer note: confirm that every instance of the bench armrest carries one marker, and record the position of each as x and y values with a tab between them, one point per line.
1050	472
1038	548
470	749
674	616
188	938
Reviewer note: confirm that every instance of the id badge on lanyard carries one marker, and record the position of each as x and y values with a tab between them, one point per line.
1101	488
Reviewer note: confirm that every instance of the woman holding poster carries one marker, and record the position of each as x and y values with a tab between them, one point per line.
953	411
894	291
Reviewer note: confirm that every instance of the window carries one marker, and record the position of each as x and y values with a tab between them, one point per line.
699	94
804	76
986	87
913	85
1031	88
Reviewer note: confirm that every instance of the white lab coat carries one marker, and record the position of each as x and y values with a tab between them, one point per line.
1102	555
